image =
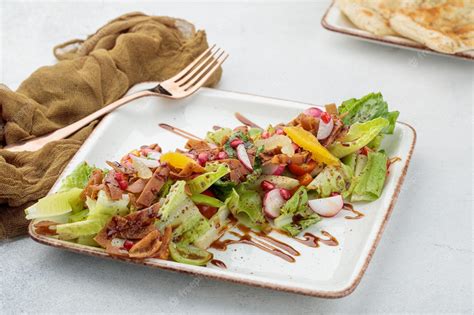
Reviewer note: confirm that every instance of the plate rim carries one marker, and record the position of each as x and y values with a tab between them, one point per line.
377	39
220	274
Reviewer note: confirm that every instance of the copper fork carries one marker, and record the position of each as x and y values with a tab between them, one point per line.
185	83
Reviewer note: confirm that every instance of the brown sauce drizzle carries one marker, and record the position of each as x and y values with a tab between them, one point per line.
275	247
349	207
218	263
270	239
312	240
279	244
271	245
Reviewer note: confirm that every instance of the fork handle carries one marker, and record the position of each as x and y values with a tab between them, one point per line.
38	142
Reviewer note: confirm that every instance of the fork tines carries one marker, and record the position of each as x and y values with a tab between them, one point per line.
197	72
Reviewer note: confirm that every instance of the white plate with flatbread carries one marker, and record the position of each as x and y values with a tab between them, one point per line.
335	20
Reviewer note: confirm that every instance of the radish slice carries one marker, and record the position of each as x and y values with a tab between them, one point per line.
273	169
313	111
327	207
325	129
243	156
272	203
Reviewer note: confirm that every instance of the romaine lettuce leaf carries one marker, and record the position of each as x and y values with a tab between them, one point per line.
213	173
218	225
222	189
79	216
179	211
368	108
99	214
246	206
105	208
200	199
295	215
78	178
332	179
369	183
359	135
255	133
219	135
56	206
81	228
201	227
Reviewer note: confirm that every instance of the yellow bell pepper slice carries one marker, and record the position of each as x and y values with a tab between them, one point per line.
176	159
309	142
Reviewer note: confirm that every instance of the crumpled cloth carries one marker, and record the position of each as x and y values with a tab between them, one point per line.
91	73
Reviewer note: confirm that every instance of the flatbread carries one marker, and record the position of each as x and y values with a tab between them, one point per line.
446	27
442	25
365	18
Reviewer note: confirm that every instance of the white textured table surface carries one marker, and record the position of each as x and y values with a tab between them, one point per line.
424	261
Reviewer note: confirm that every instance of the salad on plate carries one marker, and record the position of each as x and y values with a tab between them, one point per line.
176	205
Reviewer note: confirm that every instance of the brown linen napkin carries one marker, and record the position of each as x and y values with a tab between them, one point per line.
130	49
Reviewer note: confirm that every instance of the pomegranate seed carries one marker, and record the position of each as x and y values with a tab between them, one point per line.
128	244
234	143
266	185
123	184
280	132
365	151
285	193
265	135
222	155
325	117
203	157
118	177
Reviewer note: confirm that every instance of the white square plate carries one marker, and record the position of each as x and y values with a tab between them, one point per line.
324	271
334	20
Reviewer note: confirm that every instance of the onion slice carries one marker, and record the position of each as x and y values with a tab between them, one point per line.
327	207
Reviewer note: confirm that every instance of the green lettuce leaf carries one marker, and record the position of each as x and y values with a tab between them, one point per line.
56	207
202	182
99	213
332	179
201	199
218	135
222	189
255	133
78	178
218	225
201	227
297	227
74	230
105	208
295	215
246	206
179	212
368	108
369	183
359	135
